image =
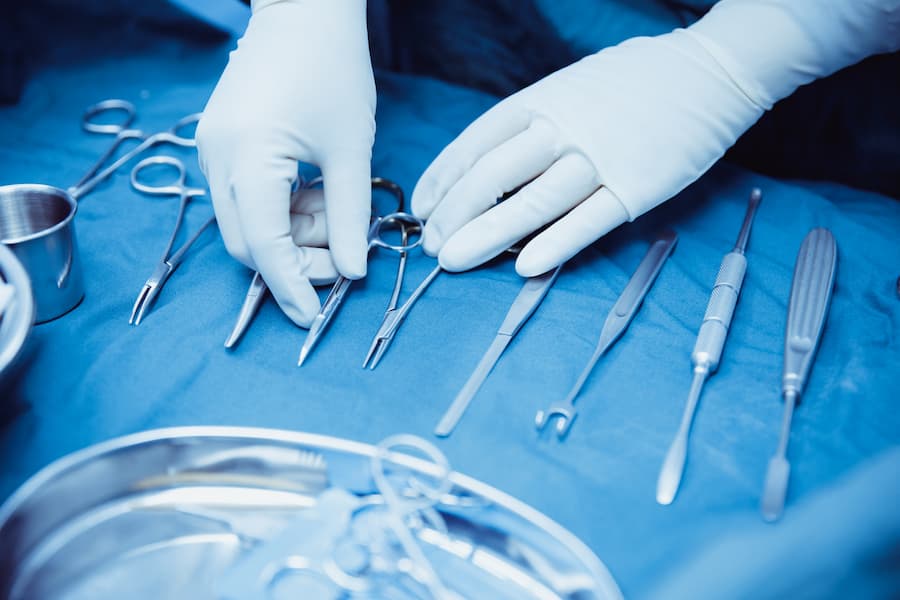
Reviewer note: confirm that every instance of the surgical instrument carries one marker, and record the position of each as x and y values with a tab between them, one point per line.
168	262
338	292
529	298
807	310
392	320
621	315
708	349
393	317
256	293
123	131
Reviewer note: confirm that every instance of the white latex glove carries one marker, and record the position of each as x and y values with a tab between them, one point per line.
610	137
299	87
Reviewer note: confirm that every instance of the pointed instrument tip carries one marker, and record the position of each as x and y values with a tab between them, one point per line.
371	353
237	333
138	307
379	354
304	352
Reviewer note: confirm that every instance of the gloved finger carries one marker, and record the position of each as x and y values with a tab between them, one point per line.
488	131
506	167
308	200
309	229
592	219
318	266
264	210
308	224
227	219
566	183
348	206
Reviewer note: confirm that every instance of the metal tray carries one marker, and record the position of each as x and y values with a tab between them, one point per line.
227	512
16	322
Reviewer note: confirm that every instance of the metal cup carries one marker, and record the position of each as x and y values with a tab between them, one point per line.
37	224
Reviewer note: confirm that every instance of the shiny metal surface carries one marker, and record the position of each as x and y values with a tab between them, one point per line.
169	261
811	290
399	221
617	321
258	289
526	302
37	224
194	512
18	316
708	348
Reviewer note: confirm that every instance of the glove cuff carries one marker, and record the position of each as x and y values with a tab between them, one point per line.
348	6
771	47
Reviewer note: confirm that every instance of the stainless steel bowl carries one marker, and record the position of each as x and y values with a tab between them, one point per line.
16	322
188	512
37	222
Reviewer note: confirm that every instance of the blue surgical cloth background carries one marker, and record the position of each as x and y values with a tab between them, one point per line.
89	376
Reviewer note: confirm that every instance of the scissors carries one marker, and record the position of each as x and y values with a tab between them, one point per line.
123	131
407	224
393	317
169	262
256	293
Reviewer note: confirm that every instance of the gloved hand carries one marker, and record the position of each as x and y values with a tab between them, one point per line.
299	87
617	133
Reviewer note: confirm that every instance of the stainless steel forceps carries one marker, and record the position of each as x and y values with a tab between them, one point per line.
408	226
256	293
394	316
621	315
123	131
168	263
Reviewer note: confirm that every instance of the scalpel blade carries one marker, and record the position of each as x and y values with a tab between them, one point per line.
529	298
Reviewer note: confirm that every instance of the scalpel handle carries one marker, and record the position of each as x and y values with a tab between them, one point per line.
719	312
810	296
633	295
530	297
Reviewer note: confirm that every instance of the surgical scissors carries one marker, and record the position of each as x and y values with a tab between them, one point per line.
407	224
168	262
123	131
256	293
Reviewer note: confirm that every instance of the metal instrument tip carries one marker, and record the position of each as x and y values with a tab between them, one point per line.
371	353
777	476
672	471
304	352
382	348
232	339
755	197
140	306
